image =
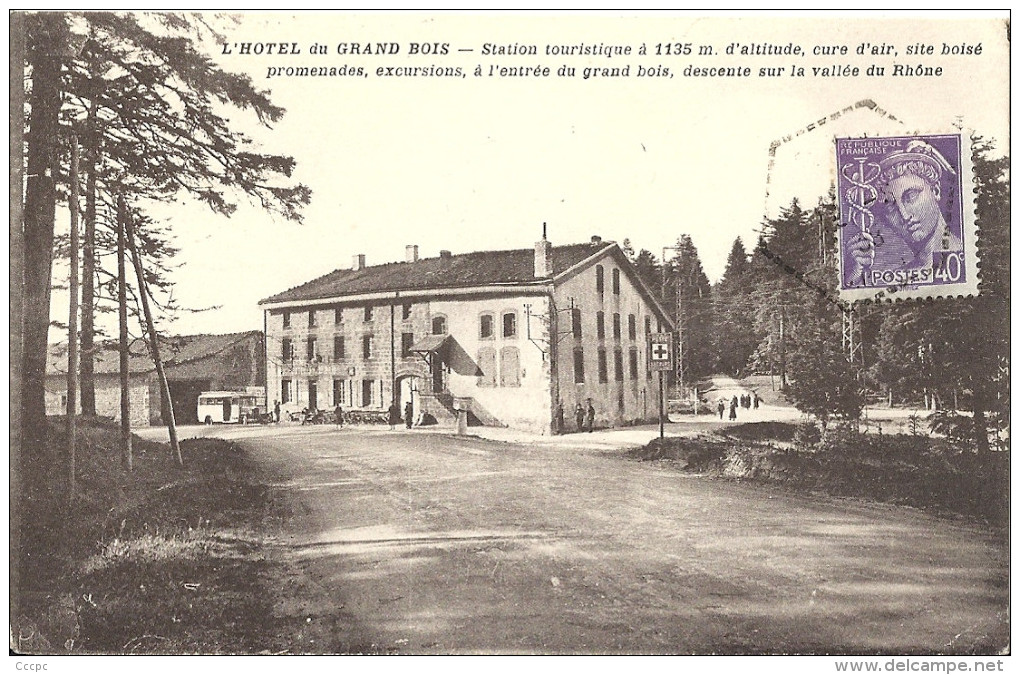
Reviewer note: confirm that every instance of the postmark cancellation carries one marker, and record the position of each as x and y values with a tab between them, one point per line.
907	217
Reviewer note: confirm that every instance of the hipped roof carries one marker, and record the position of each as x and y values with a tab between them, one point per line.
481	268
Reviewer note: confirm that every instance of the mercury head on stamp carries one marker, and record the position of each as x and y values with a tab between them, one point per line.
902	212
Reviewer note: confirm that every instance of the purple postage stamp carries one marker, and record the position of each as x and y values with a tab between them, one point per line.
907	225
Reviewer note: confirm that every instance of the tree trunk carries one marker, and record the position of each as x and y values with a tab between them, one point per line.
125	375
72	325
143	293
782	348
47	40
88	273
980	421
16	278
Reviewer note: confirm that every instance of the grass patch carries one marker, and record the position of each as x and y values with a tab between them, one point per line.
165	559
916	471
760	431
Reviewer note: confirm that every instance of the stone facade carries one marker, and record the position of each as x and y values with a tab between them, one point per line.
502	349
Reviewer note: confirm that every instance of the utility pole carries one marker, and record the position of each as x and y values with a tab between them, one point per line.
150	327
393	351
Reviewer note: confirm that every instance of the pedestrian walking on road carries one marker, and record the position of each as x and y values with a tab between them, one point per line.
394	415
733	408
276	411
757	400
722	408
579	416
409	414
591	417
338	416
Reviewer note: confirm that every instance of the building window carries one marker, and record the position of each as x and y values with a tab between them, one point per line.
510	325
600	279
485	327
367	387
286	395
286	319
311	318
367	344
633	364
368	312
648	325
439	325
311	349
578	366
288	349
575	321
632	327
406	342
600	325
659	322
603	368
405	311
338	314
339	348
616	326
510	367
339	392
618	365
487	364
616	281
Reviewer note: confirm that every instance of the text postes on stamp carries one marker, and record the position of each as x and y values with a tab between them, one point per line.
906	217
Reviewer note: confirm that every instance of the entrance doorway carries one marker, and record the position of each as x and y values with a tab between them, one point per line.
408	387
313	395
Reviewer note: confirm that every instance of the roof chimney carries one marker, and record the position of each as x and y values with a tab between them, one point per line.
596	240
411	253
445	255
359	262
543	257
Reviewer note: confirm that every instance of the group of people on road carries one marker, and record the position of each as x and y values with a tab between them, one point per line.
747	401
393	415
584	417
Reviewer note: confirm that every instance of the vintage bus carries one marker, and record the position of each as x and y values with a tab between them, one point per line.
228	407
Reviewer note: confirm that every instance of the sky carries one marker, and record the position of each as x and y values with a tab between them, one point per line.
480	163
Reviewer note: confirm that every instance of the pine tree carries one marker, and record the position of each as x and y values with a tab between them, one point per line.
734	335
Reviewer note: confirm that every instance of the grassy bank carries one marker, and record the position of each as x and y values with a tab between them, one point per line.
161	560
918	471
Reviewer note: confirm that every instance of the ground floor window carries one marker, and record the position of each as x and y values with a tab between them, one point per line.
286	394
338	392
367	387
487	364
510	372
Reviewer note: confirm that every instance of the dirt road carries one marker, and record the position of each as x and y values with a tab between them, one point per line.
422	543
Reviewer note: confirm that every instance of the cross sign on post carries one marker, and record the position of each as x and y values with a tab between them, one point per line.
660	350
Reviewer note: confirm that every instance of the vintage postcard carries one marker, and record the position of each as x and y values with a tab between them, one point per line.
440	333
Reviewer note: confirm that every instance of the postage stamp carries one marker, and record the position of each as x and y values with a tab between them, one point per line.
907	220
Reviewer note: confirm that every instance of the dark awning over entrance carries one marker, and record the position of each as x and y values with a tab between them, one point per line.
430	344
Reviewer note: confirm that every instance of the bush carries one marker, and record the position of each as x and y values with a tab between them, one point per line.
903	469
807	435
